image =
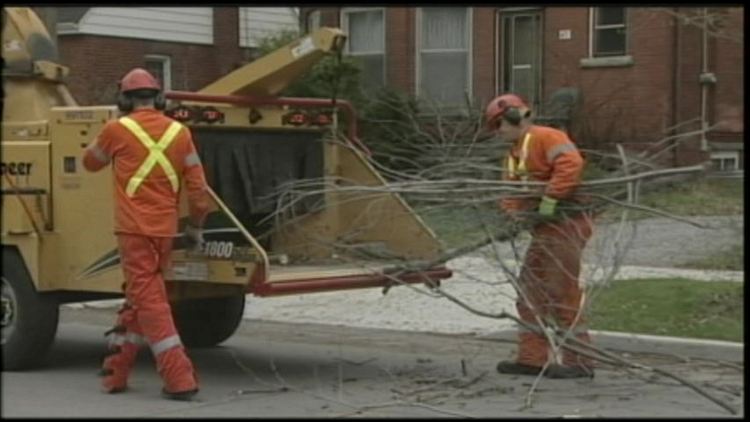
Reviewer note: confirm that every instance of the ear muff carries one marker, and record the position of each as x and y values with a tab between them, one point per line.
160	102
513	116
124	103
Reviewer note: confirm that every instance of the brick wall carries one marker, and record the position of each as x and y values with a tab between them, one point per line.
625	104
400	48
629	104
632	104
483	60
727	62
97	63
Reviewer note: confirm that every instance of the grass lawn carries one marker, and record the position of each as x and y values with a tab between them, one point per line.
696	198
461	225
671	307
730	258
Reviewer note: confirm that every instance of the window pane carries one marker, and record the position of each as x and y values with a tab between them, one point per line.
372	71
313	21
444	28
366	32
156	68
443	77
523	83
508	48
610	15
525	47
610	42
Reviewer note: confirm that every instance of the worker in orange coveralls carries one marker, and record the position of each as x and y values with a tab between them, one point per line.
549	276
151	155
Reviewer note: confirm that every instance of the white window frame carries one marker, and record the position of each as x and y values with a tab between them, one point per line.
732	156
469	51
313	20
344	19
500	54
248	39
166	68
593	27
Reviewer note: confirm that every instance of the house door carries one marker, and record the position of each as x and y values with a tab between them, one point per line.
520	44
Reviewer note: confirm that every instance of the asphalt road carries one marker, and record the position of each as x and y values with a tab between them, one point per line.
271	369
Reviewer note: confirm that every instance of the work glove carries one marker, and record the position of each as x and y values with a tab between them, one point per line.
547	206
194	237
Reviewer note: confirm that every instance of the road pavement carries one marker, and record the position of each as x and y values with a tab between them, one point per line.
272	369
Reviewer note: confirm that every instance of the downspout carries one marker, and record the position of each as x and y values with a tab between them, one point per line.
704	80
676	82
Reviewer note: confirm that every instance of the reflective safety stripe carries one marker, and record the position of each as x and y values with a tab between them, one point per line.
120	339
99	154
156	154
192	159
520	171
165	344
559	149
578	329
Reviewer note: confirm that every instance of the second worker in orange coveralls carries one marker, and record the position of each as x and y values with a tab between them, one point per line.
152	155
549	276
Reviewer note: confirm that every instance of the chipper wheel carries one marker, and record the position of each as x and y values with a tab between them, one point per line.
29	319
209	321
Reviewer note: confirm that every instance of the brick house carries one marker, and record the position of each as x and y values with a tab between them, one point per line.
640	73
185	47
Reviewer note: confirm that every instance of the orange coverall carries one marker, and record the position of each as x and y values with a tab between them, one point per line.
146	220
549	276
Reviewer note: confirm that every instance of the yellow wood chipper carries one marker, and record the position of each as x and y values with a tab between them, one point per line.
58	244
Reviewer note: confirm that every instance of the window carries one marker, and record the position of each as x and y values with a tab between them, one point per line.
443	59
521	54
608	32
161	68
259	23
313	20
725	161
365	28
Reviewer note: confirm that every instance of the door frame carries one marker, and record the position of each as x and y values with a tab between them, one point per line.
500	13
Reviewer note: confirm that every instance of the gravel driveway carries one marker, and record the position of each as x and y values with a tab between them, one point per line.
662	242
477	280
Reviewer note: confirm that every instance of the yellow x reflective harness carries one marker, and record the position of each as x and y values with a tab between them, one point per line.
517	168
155	155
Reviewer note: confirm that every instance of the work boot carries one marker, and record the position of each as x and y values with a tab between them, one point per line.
509	367
179	396
178	374
117	367
567	372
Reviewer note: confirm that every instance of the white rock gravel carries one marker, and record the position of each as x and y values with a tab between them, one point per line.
478	282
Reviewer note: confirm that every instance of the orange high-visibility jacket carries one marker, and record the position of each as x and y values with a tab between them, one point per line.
550	157
145	189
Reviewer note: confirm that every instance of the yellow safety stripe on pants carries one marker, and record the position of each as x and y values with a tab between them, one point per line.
521	170
156	154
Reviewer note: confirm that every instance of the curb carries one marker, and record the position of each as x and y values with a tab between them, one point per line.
644	343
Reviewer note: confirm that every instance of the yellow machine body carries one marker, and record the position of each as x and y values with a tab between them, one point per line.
59	217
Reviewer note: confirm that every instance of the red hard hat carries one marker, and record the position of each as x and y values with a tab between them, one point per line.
498	106
138	78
